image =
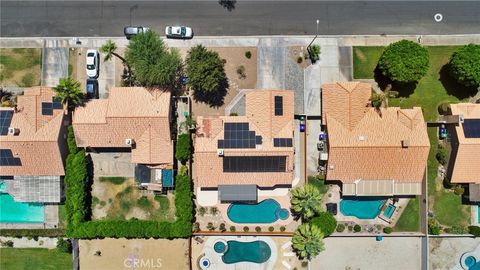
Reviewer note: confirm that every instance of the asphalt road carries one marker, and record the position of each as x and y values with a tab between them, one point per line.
107	18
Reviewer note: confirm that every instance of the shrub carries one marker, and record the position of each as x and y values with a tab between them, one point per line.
459	190
196	227
326	222
222	227
444	108
210	226
433	227
144	202
71	144
357	228
464	65
404	61
28	80
456	229
246	229
258	229
340	228
314	52
475	230
442	155
8	243
388	230
299	60
64	245
183	148
282	228
350	228
241	72
113	179
447	183
214	210
183	170
304	264
248	54
271	229
32	232
202	211
233	228
233	114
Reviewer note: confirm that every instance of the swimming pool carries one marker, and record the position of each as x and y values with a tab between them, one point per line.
15	212
266	211
256	252
362	208
389	211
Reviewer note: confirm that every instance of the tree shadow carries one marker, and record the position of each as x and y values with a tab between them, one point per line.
454	88
380	79
215	98
228	4
403	89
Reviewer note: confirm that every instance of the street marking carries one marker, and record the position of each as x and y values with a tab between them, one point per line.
438	17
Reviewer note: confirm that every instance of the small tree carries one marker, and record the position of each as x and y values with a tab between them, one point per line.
248	54
465	65
404	61
326	222
306	201
442	155
68	90
307	241
388	230
64	245
183	148
109	49
357	228
314	51
201	211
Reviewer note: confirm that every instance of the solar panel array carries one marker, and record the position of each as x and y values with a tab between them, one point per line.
5	120
255	164
282	142
471	128
238	135
47	108
278	105
7	159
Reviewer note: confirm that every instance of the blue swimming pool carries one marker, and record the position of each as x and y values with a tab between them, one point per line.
255	252
362	207
266	211
15	212
389	211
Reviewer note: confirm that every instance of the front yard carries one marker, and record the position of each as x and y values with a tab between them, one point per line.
20	67
435	88
34	258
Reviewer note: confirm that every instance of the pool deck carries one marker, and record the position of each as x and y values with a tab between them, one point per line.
474	215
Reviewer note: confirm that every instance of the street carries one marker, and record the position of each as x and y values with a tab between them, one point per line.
208	18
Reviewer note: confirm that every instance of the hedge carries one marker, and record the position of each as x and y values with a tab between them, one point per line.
326	222
475	230
32	232
183	148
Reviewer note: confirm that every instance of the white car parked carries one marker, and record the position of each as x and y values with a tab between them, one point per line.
93	62
181	32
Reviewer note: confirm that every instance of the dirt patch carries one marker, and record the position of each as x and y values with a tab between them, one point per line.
299	55
20	67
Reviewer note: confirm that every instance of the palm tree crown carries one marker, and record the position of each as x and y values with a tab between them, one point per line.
306	201
307	241
68	90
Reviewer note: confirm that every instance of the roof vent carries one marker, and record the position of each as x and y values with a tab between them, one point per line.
404	143
129	142
361	138
220	152
13	131
331	167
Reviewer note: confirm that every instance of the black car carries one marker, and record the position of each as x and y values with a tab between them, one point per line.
92	89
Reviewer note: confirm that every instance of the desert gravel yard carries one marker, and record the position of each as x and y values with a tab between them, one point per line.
393	253
445	253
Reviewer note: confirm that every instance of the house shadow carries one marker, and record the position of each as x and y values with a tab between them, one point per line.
215	98
403	89
452	86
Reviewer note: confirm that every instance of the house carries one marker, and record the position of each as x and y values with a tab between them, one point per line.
464	165
235	156
132	119
373	152
32	147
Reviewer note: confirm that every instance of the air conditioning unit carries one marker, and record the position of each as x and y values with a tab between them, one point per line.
13	131
129	142
220	152
323	156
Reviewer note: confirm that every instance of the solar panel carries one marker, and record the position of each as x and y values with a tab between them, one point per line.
255	164
282	142
7	159
278	105
471	128
5	120
238	135
57	103
47	108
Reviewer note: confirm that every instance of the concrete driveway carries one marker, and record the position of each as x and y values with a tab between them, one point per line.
113	164
393	253
106	78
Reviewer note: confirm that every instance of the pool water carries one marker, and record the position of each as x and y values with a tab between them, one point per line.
266	211
15	212
362	208
219	247
256	252
389	211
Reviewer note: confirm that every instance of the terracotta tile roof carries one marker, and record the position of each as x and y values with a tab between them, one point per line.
260	115
368	144
38	141
466	168
129	113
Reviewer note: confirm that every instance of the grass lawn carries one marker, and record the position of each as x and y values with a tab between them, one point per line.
410	219
34	258
20	66
432	90
62	216
113	179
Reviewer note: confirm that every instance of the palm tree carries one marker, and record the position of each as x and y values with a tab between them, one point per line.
6	98
68	90
307	241
109	49
306	201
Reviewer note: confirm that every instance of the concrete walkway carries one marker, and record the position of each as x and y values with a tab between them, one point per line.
24	242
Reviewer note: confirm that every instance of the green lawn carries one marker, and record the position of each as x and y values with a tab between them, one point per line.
34	258
62	216
432	90
410	219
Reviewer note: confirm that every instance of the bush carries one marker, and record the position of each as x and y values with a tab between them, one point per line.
388	230
304	264
28	80
464	65
282	228
241	72
222	227
210	226
144	202
340	228
258	229
314	52
433	227
248	54
202	211
196	227
299	60
271	229
71	144
447	183
442	155
8	243
233	114
246	229
64	245
459	190
475	230
458	230
233	229
357	228
183	170
444	108
404	61
214	210
326	222
183	149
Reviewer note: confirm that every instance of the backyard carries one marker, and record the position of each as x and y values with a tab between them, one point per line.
409	221
435	88
34	258
118	198
20	67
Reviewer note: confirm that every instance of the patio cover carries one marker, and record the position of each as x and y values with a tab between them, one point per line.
381	188
474	192
245	193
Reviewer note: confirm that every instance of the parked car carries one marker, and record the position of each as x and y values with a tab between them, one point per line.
182	32
131	31
443	132
93	61
92	89
302	124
